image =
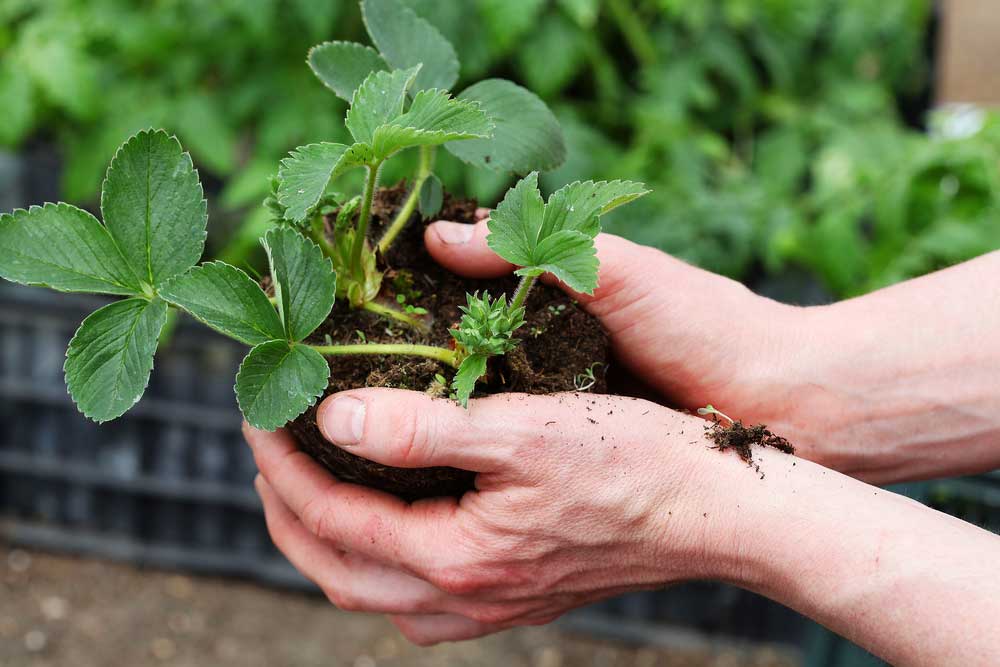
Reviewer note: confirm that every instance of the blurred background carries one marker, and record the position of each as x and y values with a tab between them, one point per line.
814	150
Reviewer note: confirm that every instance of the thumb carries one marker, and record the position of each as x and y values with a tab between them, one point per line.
462	249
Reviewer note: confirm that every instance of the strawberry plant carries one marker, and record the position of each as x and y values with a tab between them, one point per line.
153	235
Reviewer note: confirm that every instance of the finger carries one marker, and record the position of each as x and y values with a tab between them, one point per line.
427	630
350	581
482	213
409	429
462	249
352	517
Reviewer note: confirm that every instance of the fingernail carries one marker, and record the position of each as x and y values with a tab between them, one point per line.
344	421
454	233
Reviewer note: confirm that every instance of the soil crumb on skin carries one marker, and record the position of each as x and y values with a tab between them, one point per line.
742	439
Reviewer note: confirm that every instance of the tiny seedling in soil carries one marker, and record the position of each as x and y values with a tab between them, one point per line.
742	439
323	267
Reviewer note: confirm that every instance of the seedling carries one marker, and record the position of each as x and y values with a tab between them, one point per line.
494	124
154	232
586	380
710	410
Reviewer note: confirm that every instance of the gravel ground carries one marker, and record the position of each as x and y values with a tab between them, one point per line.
64	612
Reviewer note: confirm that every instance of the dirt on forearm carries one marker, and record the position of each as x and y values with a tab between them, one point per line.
742	440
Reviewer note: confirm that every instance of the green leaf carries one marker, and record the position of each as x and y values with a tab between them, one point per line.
568	255
471	369
404	40
304	281
515	222
578	205
111	356
64	248
278	381
557	237
154	207
227	300
342	66
307	172
431	197
378	100
433	119
526	135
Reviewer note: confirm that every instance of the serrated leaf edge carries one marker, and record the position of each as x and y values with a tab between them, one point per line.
309	55
190	165
152	367
239	373
12	218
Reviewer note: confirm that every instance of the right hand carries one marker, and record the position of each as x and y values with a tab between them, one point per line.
691	336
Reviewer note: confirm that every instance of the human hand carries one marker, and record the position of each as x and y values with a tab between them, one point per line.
691	336
578	497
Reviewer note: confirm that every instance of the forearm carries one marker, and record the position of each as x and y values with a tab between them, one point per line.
900	384
914	586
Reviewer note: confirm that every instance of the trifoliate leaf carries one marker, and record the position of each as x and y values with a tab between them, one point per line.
557	237
431	197
570	256
378	100
342	66
578	205
307	172
471	369
154	207
433	119
111	356
278	381
304	281
65	248
515	222
405	39
228	300
526	135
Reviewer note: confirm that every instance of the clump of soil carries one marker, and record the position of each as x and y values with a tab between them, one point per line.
742	439
558	342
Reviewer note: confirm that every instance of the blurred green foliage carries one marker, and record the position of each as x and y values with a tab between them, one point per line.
770	131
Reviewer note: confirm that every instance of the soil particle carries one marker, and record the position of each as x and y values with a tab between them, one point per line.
742	439
558	343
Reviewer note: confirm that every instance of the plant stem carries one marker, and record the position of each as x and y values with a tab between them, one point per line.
363	218
317	231
631	27
389	311
424	170
521	295
441	354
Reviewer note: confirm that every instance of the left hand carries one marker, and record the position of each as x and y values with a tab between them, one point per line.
578	497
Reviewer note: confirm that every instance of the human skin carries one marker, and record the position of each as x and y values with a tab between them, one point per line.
568	511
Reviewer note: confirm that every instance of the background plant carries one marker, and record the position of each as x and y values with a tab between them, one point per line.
781	140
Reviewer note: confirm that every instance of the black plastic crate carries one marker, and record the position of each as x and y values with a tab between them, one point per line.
168	484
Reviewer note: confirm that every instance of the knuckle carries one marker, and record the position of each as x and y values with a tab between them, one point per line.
492	615
458	580
410	438
343	600
412	633
315	517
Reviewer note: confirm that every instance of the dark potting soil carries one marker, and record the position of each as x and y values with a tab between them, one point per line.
558	343
742	439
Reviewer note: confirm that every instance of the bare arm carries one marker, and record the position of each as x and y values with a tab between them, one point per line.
912	585
901	384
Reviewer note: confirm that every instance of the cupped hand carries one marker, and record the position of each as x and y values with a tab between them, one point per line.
578	497
692	336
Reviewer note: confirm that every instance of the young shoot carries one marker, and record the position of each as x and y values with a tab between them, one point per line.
586	380
382	121
556	237
710	410
526	134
